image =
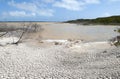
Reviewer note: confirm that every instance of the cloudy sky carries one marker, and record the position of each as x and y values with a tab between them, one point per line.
56	10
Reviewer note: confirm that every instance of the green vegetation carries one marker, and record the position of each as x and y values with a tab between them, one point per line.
117	44
118	30
113	20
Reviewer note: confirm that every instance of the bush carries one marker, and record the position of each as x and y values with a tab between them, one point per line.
118	30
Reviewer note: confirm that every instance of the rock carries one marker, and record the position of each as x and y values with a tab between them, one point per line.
56	43
105	51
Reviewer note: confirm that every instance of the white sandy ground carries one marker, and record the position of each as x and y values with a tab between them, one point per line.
94	60
8	40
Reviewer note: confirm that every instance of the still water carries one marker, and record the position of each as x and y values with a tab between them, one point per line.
74	31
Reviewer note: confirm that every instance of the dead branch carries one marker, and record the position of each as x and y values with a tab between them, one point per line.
25	29
3	34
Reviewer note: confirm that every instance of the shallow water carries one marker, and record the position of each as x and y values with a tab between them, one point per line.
73	31
63	31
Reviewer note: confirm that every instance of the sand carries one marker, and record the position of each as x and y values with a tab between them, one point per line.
64	31
68	59
79	61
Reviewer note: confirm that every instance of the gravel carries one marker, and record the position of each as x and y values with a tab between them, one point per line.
93	60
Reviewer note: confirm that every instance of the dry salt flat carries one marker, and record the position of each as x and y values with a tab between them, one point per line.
69	60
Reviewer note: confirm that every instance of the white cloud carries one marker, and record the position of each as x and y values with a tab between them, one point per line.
92	1
74	4
21	14
40	8
29	9
69	4
18	14
24	6
48	12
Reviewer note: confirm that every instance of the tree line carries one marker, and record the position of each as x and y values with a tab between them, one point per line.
112	20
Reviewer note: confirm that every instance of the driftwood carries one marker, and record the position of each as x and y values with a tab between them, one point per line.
26	28
1	35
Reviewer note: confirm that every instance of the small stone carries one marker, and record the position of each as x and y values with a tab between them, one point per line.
118	56
105	51
56	43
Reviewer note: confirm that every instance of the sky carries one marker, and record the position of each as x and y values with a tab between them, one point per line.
57	10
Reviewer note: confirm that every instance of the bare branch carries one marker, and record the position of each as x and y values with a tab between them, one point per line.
3	34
